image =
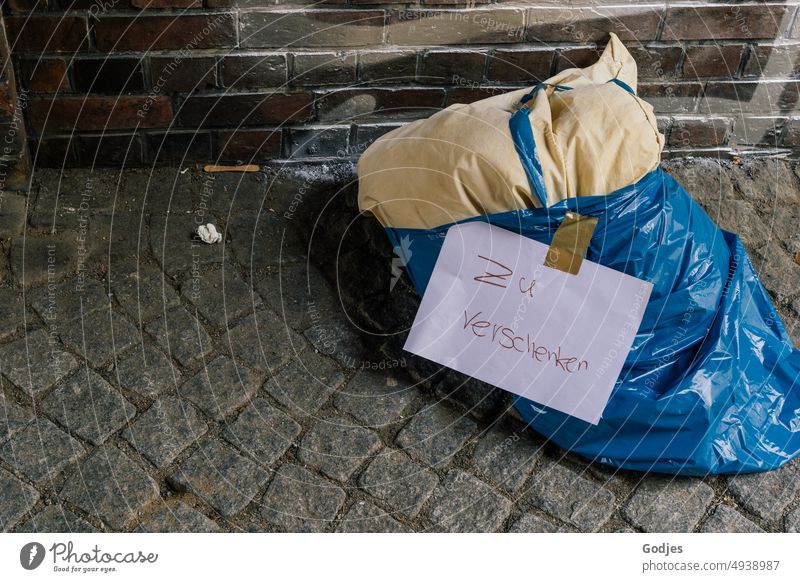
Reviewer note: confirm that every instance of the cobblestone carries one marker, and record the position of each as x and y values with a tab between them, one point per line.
147	371
530	523
262	431
726	519
70	300
175	517
30	258
220	476
264	240
767	494
175	248
142	290
306	383
100	337
435	434
574	499
41	449
13	417
337	338
13	211
398	481
364	517
337	447
165	429
181	336
88	406
792	522
220	296
16	499
111	486
32	364
375	399
56	519
665	504
220	387
12	312
506	458
297	500
464	503
263	342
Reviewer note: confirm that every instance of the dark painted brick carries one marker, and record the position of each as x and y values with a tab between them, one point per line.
318	142
66	114
324	68
655	62
447	27
773	61
312	28
518	66
723	22
190	31
749	97
687	133
472	94
670	97
244	145
452	67
111	150
155	4
791	137
254	71
183	74
38	34
580	25
712	60
244	109
53	152
108	75
387	67
393	103
44	75
576	58
181	147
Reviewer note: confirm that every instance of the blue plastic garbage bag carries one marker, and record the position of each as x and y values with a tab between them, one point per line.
710	384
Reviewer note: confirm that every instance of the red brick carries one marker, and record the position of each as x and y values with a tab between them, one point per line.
445	27
712	60
254	71
37	34
26	5
517	66
723	22
312	28
247	146
700	132
44	75
773	61
581	25
155	4
388	67
323	69
191	31
96	113
244	109
177	73
452	67
354	104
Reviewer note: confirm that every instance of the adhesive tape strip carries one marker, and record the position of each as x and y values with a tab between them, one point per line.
570	242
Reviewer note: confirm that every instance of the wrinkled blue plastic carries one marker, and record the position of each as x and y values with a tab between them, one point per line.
709	385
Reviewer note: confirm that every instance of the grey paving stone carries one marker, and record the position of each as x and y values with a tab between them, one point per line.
435	434
88	406
299	294
147	371
221	387
181	336
668	504
792	521
100	337
766	183
111	486
782	225
16	499
56	519
117	235
363	517
70	300
375	399
175	517
306	383
263	342
530	523
740	217
299	501
337	447
338	339
398	481
505	457
31	257
220	296
33	364
570	497
13	417
767	494
220	476
777	271
264	240
175	247
165	429
13	212
262	431
705	179
142	290
40	450
464	503
12	312
726	519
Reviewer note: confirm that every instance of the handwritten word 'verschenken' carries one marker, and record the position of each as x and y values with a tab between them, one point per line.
506	338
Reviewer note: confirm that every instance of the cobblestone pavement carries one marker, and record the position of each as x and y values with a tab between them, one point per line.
153	383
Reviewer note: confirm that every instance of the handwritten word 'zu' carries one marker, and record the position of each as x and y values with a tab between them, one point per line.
499	275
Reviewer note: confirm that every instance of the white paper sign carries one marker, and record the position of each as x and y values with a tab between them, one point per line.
494	311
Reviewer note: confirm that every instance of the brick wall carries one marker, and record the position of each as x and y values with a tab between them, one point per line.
161	81
13	153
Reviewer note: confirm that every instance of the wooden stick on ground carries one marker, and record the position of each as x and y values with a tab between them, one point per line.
246	168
